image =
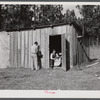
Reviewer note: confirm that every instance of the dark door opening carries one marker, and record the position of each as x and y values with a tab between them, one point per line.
62	48
55	44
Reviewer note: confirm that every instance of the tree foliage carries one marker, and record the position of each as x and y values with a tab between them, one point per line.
25	16
90	18
22	16
16	16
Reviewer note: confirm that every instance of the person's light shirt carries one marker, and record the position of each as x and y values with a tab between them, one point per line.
34	49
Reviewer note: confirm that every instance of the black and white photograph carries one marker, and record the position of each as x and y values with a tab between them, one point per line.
49	46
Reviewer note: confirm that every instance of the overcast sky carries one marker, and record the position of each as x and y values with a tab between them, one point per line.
71	7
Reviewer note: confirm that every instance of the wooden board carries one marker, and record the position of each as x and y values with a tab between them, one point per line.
45	34
38	36
30	44
16	49
11	50
63	44
74	39
43	47
19	50
26	48
50	32
22	49
34	37
47	47
67	46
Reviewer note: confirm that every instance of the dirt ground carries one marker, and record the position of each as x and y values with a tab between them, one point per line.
48	79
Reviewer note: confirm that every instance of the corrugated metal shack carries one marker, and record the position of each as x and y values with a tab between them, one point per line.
62	37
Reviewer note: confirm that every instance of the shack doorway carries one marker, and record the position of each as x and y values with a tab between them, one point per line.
55	43
60	45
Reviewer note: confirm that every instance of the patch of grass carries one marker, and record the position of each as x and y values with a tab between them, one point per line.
46	79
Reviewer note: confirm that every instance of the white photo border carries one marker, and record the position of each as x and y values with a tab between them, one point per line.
49	93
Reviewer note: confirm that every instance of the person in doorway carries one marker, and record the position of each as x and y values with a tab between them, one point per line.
57	61
52	58
34	50
39	56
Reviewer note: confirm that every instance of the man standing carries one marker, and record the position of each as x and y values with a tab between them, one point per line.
34	50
